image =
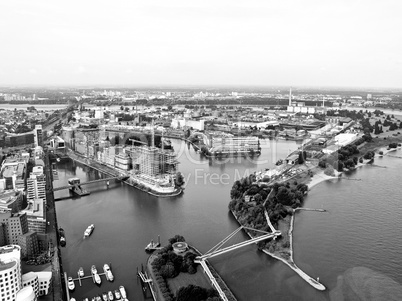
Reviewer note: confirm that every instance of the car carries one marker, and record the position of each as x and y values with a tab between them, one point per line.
70	283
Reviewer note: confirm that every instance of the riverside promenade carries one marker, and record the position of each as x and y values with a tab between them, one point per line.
57	294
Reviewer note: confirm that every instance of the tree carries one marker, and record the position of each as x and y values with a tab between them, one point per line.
329	171
176	238
167	270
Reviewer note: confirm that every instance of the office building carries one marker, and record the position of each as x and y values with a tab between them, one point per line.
29	244
17	224
38	135
10	272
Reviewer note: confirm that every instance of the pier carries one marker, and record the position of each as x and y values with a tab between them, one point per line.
146	282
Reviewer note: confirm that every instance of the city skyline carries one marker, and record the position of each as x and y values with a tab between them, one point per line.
258	43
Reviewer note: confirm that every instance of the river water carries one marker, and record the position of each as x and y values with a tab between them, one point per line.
361	228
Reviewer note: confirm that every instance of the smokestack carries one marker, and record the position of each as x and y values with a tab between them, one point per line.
153	135
290	96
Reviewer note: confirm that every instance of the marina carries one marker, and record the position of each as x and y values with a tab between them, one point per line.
118	294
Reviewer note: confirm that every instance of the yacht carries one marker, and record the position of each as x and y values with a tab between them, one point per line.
95	275
70	283
110	295
81	272
89	230
108	272
123	292
104	297
117	294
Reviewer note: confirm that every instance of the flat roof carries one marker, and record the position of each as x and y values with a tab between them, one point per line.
7	265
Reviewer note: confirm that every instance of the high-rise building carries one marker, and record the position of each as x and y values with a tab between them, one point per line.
10	272
29	244
17	224
152	161
38	135
13	285
36	188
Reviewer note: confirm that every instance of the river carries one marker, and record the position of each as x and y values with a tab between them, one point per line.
360	229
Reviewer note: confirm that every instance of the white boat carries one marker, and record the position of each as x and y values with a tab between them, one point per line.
81	272
117	294
89	230
95	275
110	295
123	292
70	283
104	297
108	272
85	299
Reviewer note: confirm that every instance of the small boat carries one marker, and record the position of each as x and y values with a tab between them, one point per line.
70	283
123	292
62	237
85	299
72	299
110	295
95	275
89	230
81	272
152	246
104	297
108	272
117	294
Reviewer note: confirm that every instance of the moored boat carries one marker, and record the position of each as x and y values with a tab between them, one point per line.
117	294
62	237
108	272
81	272
110	295
123	292
70	283
95	276
104	296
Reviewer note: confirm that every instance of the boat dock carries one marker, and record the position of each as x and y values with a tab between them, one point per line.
146	282
91	276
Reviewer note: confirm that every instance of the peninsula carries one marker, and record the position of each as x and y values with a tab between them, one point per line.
268	200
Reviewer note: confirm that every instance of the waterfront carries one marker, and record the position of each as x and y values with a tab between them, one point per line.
325	244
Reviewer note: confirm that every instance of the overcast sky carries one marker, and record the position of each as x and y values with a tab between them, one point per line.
185	42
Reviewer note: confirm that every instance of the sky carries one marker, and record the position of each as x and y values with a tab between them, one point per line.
313	43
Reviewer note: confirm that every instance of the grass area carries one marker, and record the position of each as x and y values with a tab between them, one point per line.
378	143
185	279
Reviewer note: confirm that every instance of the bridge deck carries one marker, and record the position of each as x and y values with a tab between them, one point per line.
89	182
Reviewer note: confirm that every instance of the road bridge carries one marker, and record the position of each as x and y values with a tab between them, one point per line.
120	178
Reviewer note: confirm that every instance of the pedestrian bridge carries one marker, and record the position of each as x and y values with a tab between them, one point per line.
217	250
